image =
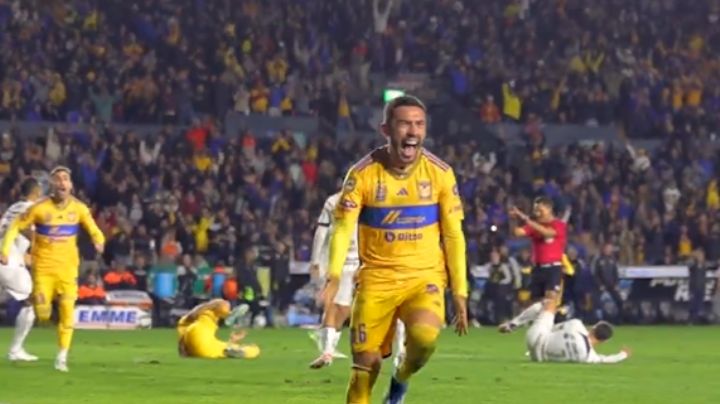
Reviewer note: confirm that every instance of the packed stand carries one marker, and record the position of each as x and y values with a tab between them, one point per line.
651	65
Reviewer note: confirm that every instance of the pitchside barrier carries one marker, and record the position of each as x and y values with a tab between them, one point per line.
124	310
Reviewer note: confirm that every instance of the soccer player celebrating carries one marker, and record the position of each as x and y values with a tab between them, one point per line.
548	235
197	329
338	310
404	202
568	341
14	275
55	257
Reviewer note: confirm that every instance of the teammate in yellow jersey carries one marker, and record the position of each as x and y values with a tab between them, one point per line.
405	203
55	257
197	329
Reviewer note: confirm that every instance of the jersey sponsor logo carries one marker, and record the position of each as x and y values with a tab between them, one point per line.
395	217
380	192
432	289
65	230
399	217
347	204
424	190
402	192
391	236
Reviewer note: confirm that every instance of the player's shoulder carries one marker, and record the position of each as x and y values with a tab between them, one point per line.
370	159
435	161
40	203
78	203
332	201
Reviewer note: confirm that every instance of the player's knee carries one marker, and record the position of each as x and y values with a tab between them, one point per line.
369	361
422	336
43	313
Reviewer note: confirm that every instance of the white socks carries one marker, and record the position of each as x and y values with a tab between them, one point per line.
330	338
527	315
62	355
23	325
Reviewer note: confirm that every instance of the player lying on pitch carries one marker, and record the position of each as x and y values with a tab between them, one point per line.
197	329
568	341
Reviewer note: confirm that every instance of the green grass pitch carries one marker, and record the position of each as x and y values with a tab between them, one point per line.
670	365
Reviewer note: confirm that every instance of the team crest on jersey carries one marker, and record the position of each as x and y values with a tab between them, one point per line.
380	192
424	190
402	192
72	216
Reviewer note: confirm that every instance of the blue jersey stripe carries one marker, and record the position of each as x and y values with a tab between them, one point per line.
399	217
61	230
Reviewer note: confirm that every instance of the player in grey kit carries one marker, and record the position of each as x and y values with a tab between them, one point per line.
568	341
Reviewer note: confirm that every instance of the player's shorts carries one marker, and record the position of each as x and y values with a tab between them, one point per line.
48	287
16	280
344	295
374	313
198	340
546	278
538	334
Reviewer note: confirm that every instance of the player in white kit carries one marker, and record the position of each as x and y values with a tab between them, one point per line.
568	341
336	312
15	276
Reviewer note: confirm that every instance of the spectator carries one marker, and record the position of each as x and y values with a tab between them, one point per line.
119	278
91	291
607	277
697	284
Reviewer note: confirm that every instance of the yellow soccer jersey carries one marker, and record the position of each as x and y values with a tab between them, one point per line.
401	223
54	245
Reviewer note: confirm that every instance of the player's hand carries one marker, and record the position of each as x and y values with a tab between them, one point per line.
517	213
3	259
99	247
238	336
627	351
328	293
461	317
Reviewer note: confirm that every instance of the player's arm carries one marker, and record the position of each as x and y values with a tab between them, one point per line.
321	234
594	357
87	221
346	218
20	223
212	305
531	226
451	218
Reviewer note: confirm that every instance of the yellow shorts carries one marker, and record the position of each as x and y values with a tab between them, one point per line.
48	287
374	313
198	340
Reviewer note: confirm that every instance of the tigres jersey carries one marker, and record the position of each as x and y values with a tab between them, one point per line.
401	221
54	246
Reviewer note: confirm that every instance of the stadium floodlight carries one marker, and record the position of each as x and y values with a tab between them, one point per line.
390	94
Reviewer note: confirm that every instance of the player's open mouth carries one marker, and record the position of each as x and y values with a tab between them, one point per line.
408	147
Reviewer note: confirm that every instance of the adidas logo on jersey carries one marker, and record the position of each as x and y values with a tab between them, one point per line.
402	192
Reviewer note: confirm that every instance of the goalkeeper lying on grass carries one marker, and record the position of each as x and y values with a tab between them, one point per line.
197	329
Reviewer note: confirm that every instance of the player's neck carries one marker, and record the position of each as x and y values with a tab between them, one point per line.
59	201
399	169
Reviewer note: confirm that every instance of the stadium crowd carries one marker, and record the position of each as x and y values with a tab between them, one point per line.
650	64
202	198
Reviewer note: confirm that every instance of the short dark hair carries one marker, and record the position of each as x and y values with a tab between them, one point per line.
603	331
28	186
401	101
544	200
60	169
